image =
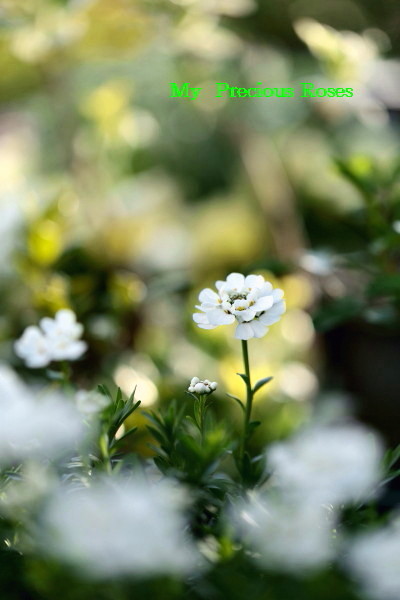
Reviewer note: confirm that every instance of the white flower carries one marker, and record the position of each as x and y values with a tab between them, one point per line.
33	348
56	339
32	427
374	559
250	301
286	536
200	387
119	527
63	333
332	464
90	403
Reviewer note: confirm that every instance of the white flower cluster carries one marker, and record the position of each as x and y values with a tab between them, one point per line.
286	536
374	560
31	427
119	527
250	301
55	339
202	386
329	464
313	475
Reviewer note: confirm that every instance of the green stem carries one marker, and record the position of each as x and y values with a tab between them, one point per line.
203	410
249	396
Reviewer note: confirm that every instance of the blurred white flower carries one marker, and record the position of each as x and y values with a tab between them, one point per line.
63	333
34	427
286	536
56	339
34	483
374	559
90	403
251	302
33	348
332	464
202	386
119	527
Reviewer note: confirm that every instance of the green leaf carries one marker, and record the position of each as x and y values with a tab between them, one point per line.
124	436
237	400
260	383
103	389
244	377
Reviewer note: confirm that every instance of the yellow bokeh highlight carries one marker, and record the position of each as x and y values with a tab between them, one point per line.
45	242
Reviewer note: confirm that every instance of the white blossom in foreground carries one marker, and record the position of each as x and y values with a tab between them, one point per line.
119	527
292	537
250	301
56	339
90	403
333	464
34	427
374	560
202	386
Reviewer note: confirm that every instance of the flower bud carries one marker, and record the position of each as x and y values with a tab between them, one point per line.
200	388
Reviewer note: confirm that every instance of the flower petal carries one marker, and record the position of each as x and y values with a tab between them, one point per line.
235	280
254	281
258	328
277	295
273	315
200	318
266	289
247	315
201	321
219	317
244	331
207	295
65	317
263	303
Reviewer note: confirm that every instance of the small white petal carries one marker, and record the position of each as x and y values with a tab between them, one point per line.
277	295
194	380
244	331
249	314
219	317
207	295
263	303
200	318
200	388
235	280
254	281
65	317
258	328
273	315
266	289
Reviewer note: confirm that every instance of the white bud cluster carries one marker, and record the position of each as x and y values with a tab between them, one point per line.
198	386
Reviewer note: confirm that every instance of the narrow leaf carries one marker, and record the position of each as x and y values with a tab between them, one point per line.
237	400
260	383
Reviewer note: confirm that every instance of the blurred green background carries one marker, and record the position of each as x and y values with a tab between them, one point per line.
123	203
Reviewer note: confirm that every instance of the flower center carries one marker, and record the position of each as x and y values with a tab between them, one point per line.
236	296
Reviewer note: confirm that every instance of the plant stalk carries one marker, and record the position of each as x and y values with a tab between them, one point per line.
249	396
